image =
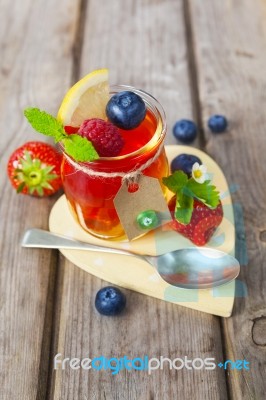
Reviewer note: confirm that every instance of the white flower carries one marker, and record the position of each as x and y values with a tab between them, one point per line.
199	172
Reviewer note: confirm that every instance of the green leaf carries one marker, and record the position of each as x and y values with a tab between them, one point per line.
48	169
184	208
204	192
32	189
50	177
79	148
45	123
20	187
176	182
27	157
39	190
46	185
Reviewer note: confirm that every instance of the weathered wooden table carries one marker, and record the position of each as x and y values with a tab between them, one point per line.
198	58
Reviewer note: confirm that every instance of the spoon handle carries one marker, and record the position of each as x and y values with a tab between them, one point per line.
40	238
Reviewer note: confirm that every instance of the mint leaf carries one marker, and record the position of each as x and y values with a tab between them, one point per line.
204	192
184	208
79	148
45	123
176	182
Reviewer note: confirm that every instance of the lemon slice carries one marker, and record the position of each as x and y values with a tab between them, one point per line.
86	99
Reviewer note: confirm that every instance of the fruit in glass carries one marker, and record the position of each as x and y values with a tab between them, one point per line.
90	197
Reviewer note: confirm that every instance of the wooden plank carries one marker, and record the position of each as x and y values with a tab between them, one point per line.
35	46
230	40
148	327
143	44
137	44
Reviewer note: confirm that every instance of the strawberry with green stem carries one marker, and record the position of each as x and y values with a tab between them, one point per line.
34	169
196	206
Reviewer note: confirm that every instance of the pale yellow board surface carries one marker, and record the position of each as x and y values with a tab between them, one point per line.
135	274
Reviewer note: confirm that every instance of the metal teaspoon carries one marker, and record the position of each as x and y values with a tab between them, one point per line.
191	268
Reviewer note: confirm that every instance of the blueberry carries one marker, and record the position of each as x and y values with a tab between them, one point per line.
126	110
185	131
217	123
184	162
110	301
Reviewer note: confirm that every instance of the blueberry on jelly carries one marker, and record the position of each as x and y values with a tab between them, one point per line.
110	301
126	110
184	162
185	131
217	123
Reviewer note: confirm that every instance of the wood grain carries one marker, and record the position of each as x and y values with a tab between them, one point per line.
230	40
148	327
196	58
144	44
35	46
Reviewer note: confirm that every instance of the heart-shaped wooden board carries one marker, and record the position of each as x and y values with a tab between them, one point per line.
135	274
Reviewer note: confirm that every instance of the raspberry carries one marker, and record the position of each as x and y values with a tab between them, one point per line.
104	136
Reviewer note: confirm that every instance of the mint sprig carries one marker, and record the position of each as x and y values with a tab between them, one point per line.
79	148
45	123
186	191
76	146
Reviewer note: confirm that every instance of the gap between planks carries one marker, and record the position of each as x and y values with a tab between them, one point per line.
52	314
49	323
78	41
193	73
197	112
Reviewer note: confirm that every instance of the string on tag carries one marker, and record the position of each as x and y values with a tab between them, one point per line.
132	182
131	178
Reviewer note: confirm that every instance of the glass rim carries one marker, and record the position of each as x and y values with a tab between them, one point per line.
155	107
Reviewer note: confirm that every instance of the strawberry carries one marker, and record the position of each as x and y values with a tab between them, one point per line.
34	169
203	223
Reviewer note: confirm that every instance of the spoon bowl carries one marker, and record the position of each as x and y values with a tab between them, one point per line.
191	268
197	268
